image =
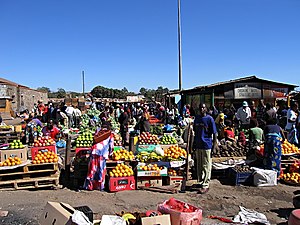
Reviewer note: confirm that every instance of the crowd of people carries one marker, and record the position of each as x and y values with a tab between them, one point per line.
264	124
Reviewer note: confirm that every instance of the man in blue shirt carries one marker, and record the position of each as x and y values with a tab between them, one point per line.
204	142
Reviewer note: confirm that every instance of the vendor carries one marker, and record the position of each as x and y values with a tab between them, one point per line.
255	132
272	149
51	130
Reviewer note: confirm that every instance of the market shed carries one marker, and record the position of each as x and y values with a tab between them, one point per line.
224	94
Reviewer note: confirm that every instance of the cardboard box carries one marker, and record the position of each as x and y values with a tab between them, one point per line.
21	153
149	182
157	220
152	173
57	213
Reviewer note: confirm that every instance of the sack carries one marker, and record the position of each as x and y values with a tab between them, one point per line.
263	178
101	135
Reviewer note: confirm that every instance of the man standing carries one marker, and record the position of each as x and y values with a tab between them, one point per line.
204	142
243	115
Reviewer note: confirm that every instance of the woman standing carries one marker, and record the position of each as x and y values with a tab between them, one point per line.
273	137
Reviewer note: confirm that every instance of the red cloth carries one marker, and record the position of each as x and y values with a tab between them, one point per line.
229	134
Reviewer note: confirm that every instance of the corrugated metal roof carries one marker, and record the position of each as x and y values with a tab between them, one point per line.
8	82
239	80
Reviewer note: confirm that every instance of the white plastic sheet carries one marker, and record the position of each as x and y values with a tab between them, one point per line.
112	220
248	216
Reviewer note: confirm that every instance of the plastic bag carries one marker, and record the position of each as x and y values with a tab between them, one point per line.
61	144
264	178
181	218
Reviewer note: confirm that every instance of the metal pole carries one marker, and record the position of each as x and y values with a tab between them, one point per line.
179	46
83	83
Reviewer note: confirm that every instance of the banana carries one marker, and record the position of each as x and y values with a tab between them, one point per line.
128	216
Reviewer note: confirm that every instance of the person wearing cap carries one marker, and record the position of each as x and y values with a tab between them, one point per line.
243	115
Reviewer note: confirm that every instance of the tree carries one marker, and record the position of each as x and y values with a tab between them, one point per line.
45	89
143	91
61	93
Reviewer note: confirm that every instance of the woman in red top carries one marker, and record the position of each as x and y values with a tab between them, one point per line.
51	130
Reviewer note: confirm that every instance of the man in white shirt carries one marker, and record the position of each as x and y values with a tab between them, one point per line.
291	117
77	114
70	114
243	115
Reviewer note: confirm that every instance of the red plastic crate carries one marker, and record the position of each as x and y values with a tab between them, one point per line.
121	183
35	150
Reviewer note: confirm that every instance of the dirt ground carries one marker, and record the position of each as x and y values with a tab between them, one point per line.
25	207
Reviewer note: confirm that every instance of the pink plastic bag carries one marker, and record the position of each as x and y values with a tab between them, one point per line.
181	218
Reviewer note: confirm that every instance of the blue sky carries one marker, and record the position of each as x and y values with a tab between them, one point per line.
133	43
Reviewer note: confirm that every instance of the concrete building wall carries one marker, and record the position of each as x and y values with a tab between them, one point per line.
23	97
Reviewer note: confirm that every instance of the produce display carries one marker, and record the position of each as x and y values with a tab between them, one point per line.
5	127
148	157
121	170
288	148
16	144
293	178
167	140
90	121
242	169
117	140
172	172
158	130
150	167
145	138
11	161
230	149
44	141
174	153
122	154
45	157
84	140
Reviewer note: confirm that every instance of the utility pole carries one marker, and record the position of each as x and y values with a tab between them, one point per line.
179	45
83	83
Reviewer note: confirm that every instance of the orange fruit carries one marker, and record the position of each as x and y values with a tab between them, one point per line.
34	162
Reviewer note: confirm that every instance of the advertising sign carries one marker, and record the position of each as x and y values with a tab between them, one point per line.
247	90
274	91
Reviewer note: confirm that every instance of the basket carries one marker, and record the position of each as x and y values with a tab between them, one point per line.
101	136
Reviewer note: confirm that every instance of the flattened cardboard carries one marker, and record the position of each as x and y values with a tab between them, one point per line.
57	213
157	220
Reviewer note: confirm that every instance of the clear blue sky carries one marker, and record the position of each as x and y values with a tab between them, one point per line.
133	43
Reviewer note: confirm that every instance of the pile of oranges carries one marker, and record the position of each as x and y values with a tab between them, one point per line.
11	161
172	172
122	154
288	148
45	157
150	167
121	170
175	152
292	177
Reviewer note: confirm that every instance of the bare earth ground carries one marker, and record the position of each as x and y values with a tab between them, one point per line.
25	207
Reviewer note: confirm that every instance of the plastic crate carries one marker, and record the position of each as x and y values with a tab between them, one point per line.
35	150
87	211
239	178
121	184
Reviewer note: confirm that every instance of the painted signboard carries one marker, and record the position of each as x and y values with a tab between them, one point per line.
247	90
